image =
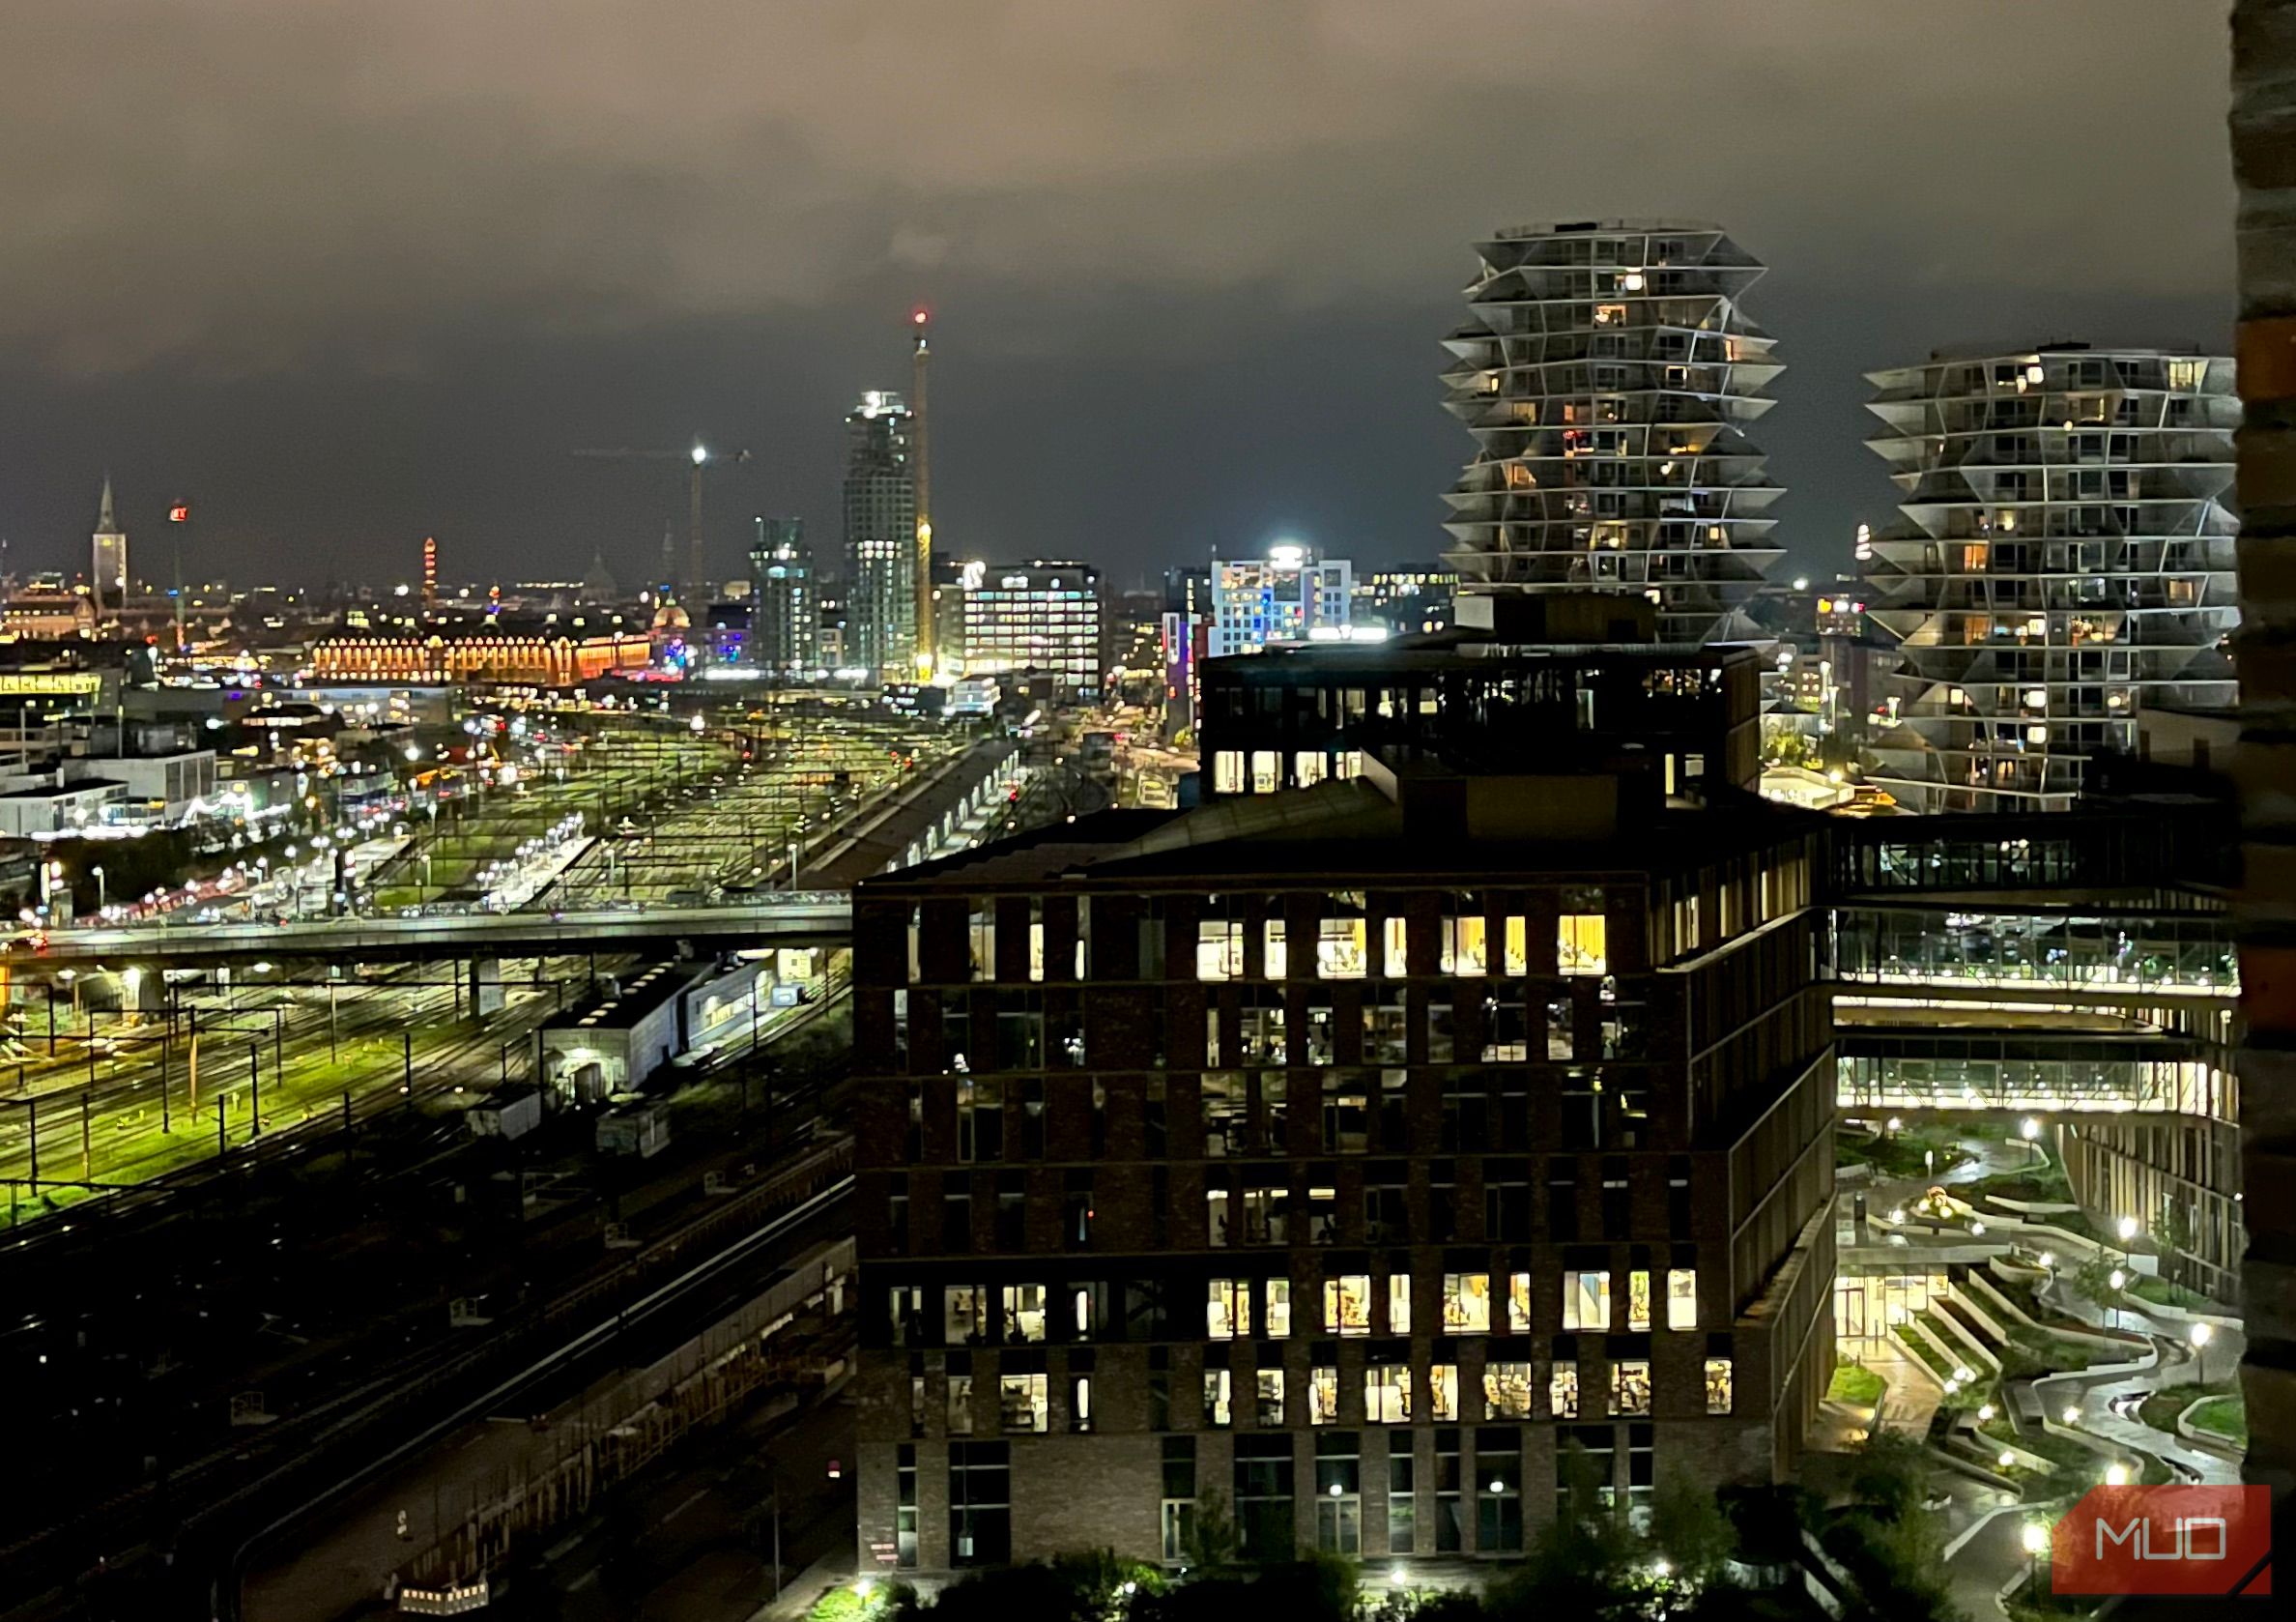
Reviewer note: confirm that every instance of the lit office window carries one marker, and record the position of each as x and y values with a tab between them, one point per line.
1347	1304
1630	1388
1466	1303
1507	1390
1579	943
1718	1384
1562	1391
1443	1392
1681	1298
1227	1312
1387	1394
1587	1300
1217	1414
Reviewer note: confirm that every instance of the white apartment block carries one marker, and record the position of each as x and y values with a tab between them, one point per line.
1610	377
2064	559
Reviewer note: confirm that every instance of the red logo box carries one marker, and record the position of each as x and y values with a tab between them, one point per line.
2165	1540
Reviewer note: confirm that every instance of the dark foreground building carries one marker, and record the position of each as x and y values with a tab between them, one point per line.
1356	1154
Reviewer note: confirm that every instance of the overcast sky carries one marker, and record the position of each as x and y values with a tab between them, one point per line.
349	273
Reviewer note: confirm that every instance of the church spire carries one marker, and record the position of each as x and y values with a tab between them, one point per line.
103	514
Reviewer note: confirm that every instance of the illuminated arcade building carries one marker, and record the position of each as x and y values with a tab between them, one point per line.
1354	1153
1611	379
2064	560
539	660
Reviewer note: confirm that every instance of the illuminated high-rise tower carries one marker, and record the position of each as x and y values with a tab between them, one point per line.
2064	559
880	537
108	562
921	434
1610	377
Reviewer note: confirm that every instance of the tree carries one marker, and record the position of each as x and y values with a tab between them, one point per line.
1583	1559
1689	1528
1890	1475
1034	1591
1209	1544
2092	1282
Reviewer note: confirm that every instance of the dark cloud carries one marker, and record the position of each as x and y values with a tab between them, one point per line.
359	273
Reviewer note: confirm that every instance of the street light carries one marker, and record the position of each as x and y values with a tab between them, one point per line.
2070	1415
2035	1538
97	873
2117	1279
2116	1475
2031	1129
2199	1335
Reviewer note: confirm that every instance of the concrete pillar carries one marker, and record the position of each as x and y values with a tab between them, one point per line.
486	986
2263	129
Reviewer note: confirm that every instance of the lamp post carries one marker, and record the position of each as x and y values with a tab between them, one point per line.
2118	1280
2035	1538
97	874
2199	1334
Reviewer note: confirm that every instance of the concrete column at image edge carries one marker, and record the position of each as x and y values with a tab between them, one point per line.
2263	140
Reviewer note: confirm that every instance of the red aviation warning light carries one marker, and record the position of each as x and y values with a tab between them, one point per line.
180	513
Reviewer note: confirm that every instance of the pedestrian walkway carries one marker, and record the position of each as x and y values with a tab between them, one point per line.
2109	1407
1913	1394
805	1588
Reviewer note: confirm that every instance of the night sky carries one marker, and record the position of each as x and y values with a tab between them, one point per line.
346	275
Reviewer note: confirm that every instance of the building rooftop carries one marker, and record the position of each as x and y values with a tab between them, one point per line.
633	999
1413	823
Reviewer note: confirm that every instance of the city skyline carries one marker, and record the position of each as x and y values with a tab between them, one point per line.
1198	329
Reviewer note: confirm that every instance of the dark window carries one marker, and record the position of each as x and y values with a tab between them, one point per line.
1012	1210
1642	1465
1338	1493
1585	1464
1076	1210
1032	1119
904	1512
955	1222
1264	1496
1402	1504
1506	1206
1179	1496
980	1504
1563	1225
1498	1491
1443	1202
1617	1201
1386	1213
1395	1120
1448	1526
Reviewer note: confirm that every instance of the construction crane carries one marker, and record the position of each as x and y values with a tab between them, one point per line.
696	458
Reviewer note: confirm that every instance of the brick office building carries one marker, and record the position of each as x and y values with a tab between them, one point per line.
1352	1154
